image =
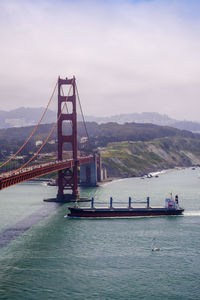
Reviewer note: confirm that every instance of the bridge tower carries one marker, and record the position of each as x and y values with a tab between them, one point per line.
68	178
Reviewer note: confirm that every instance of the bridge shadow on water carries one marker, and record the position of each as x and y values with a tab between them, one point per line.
25	224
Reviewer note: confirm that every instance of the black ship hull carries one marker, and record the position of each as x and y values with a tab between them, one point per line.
122	212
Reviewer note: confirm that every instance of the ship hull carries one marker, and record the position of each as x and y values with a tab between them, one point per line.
122	212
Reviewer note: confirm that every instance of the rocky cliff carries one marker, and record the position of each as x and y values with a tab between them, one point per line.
128	159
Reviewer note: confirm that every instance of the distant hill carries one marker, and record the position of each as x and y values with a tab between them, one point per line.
130	149
187	125
100	134
25	116
145	117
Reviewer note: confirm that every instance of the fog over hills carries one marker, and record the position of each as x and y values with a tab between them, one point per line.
25	116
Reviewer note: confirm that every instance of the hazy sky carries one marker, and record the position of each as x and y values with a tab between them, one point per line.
127	56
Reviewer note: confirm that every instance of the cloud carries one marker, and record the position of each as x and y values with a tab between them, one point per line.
127	56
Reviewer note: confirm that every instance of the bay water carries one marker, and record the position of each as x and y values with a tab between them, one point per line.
44	255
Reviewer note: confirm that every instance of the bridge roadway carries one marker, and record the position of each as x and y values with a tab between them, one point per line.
14	177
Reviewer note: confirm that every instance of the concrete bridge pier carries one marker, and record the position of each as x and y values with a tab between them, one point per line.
90	173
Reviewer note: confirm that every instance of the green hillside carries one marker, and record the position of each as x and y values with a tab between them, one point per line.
127	159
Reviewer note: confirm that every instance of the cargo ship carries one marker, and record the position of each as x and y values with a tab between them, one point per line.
171	208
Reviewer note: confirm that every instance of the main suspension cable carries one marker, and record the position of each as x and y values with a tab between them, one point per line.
50	134
34	130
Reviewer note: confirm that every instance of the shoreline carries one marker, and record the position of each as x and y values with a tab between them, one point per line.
147	175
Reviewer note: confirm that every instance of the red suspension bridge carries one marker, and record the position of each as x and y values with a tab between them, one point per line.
67	168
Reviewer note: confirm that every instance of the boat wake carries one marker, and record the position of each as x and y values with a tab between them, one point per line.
192	213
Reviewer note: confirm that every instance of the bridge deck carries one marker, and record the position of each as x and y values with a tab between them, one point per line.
15	177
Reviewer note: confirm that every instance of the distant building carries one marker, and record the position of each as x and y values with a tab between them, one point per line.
84	140
18	157
52	142
38	143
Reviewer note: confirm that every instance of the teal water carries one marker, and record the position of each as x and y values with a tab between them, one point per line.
58	258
